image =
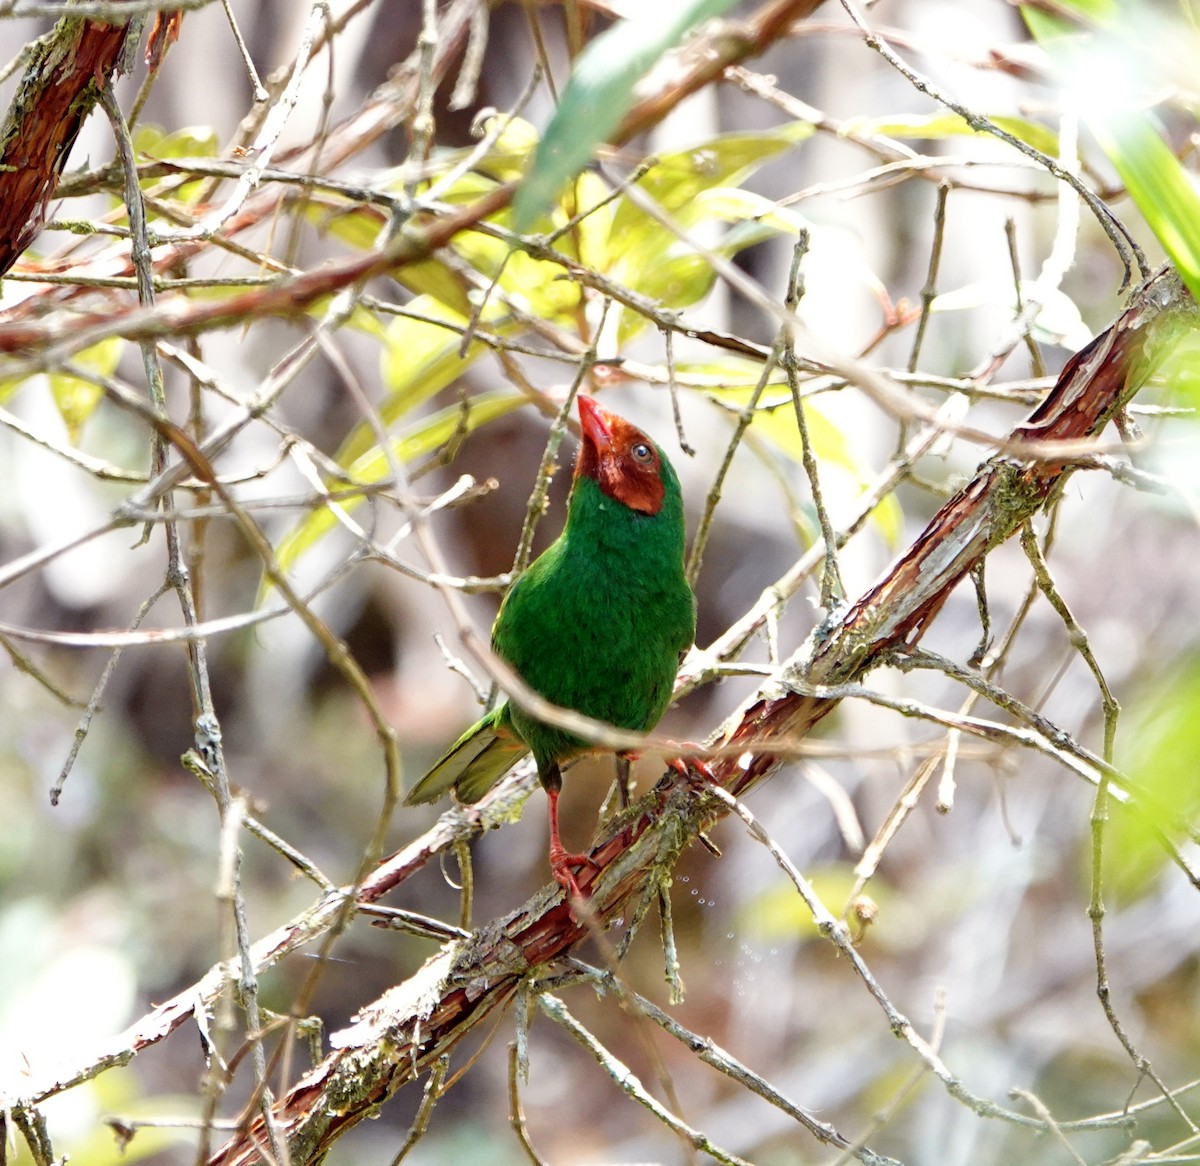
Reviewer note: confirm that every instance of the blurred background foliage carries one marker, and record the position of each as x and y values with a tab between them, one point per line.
923	240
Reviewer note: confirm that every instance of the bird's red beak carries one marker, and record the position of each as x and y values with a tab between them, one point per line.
597	423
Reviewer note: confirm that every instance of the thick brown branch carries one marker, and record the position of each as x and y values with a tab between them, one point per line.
58	89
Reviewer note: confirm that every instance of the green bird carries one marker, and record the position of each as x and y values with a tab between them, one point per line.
598	623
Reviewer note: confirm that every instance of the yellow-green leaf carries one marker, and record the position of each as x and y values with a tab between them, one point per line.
599	93
1159	748
420	358
676	180
374	465
929	127
844	472
77	399
779	913
1159	185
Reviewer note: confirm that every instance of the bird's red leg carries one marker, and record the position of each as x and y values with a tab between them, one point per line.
561	860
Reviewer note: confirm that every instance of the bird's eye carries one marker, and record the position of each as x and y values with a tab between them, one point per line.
642	453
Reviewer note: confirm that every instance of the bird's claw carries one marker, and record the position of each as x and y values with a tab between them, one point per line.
694	770
561	864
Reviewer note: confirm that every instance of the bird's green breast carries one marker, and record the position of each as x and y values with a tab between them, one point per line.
597	624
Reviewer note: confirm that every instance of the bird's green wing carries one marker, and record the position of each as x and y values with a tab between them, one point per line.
474	763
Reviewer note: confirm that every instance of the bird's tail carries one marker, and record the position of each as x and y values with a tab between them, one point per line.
474	763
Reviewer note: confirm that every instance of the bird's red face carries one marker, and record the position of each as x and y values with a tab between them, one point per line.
622	459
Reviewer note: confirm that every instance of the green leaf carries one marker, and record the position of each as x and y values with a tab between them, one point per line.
190	142
844	474
420	358
77	399
374	465
1045	24
1159	185
1161	735
934	126
599	93
677	180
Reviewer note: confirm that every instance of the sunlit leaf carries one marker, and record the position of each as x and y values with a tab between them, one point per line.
421	356
77	399
1158	183
189	142
375	465
539	285
934	126
1160	739
512	152
590	238
676	180
600	92
670	272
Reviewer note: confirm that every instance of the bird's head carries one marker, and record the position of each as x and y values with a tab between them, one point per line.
624	462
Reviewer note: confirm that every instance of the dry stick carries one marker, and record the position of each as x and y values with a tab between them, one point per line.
929	289
1099	816
1039	1107
429	1099
261	150
24	664
536	506
724	1062
745	416
516	1111
196	765
101	686
630	1085
883	1117
208	731
1025	311
868	863
465	87
421	129
832	588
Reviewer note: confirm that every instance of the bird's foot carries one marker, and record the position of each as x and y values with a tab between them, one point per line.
562	863
691	767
